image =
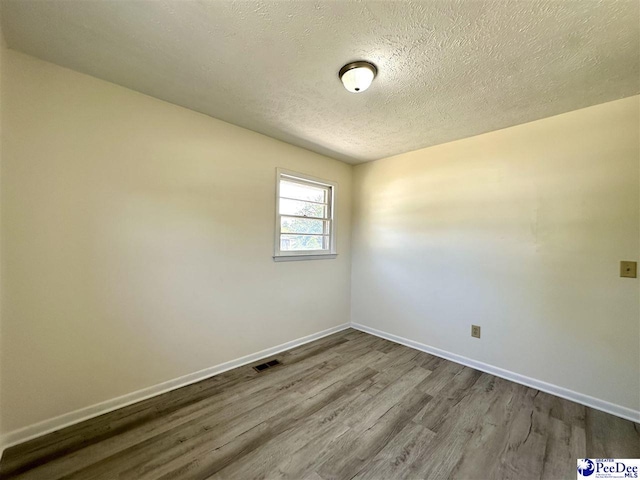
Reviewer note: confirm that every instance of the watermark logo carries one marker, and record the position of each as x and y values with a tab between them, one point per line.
608	468
585	467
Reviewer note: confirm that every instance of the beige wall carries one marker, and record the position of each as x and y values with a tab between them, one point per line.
519	231
138	240
2	59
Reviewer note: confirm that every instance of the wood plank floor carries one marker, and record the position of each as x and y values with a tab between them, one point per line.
350	405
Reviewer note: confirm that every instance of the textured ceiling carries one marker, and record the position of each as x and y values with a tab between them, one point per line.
447	69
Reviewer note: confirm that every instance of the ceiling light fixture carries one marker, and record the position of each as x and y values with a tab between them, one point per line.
357	76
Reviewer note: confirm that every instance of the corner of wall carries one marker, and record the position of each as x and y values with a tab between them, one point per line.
3	47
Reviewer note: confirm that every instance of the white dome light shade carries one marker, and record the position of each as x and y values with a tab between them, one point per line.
357	76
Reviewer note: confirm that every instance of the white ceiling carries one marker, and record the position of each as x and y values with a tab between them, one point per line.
447	69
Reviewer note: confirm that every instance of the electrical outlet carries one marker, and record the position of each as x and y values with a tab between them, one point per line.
629	269
475	331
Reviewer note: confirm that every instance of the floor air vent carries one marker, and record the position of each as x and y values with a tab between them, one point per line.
263	366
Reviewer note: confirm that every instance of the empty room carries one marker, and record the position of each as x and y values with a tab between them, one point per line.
319	239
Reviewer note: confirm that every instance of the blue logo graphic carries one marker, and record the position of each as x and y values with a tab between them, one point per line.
585	467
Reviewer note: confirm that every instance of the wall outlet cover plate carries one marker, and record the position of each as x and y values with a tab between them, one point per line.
629	269
475	331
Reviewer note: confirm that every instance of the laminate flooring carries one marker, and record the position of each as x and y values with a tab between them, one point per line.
347	406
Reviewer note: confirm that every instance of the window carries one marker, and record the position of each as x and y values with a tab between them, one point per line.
305	219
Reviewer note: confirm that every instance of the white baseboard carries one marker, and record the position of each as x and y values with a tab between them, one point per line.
47	426
42	428
587	400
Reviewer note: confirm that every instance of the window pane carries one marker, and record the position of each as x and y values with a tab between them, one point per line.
303	242
303	192
304	209
302	225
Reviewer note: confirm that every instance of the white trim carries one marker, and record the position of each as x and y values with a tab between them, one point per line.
295	258
47	426
581	398
303	178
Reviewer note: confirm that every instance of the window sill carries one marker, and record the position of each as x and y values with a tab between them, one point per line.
295	258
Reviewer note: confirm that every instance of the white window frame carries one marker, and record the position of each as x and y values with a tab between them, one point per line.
287	255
